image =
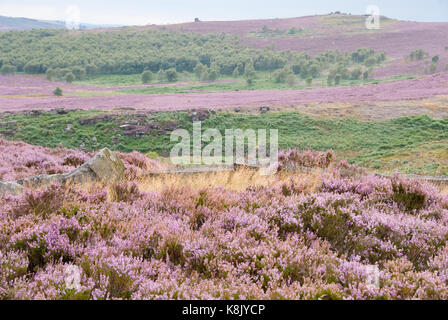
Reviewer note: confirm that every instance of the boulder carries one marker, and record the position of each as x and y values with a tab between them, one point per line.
11	188
104	167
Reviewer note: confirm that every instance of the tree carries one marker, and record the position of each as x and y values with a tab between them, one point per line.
435	59
309	81
69	77
236	72
198	70
171	75
356	73
249	72
50	74
146	76
79	72
337	79
213	75
7	69
365	75
57	92
33	68
161	75
291	79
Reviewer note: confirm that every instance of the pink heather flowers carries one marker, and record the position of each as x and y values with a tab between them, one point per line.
278	242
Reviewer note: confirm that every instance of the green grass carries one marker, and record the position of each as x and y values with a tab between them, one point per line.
264	81
409	144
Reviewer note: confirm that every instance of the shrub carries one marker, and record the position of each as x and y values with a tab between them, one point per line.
57	92
161	76
309	81
69	77
146	76
171	75
7	69
356	73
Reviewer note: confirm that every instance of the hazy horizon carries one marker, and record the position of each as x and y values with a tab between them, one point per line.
139	12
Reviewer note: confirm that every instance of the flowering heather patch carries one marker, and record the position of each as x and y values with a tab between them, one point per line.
267	242
421	88
20	160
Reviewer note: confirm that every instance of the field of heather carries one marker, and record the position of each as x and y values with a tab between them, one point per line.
21	93
91	207
297	236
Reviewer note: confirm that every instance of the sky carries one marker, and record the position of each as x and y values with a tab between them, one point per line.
141	12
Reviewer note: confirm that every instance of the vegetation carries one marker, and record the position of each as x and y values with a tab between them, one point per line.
68	56
385	145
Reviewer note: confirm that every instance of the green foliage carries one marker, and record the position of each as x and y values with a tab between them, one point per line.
57	92
365	143
146	76
309	81
171	75
69	77
435	59
417	55
356	73
7	69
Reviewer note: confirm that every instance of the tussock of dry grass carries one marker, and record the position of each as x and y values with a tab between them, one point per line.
232	180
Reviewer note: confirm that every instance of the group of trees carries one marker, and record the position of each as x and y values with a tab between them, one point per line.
161	54
420	54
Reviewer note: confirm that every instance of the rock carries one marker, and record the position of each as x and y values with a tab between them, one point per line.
94	139
8	124
104	167
69	129
11	188
264	109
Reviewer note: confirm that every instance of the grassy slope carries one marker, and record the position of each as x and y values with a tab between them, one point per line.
189	83
409	144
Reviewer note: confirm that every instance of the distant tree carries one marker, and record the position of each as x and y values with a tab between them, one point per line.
91	68
204	75
309	81
57	92
330	80
365	75
337	79
236	72
356	73
249	72
370	61
213	74
69	77
291	79
161	75
50	74
32	68
7	69
435	59
146	76
199	69
79	72
171	75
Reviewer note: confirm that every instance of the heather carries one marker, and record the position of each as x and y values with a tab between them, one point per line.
302	235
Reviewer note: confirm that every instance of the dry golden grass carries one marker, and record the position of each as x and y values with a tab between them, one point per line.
233	180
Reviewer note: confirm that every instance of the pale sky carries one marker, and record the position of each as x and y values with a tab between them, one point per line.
140	12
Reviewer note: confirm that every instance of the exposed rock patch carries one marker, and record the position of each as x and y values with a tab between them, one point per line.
104	167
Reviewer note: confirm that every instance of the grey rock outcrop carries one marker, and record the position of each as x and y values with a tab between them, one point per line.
104	167
11	188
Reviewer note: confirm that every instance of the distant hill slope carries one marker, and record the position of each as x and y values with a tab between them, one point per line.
12	23
344	32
